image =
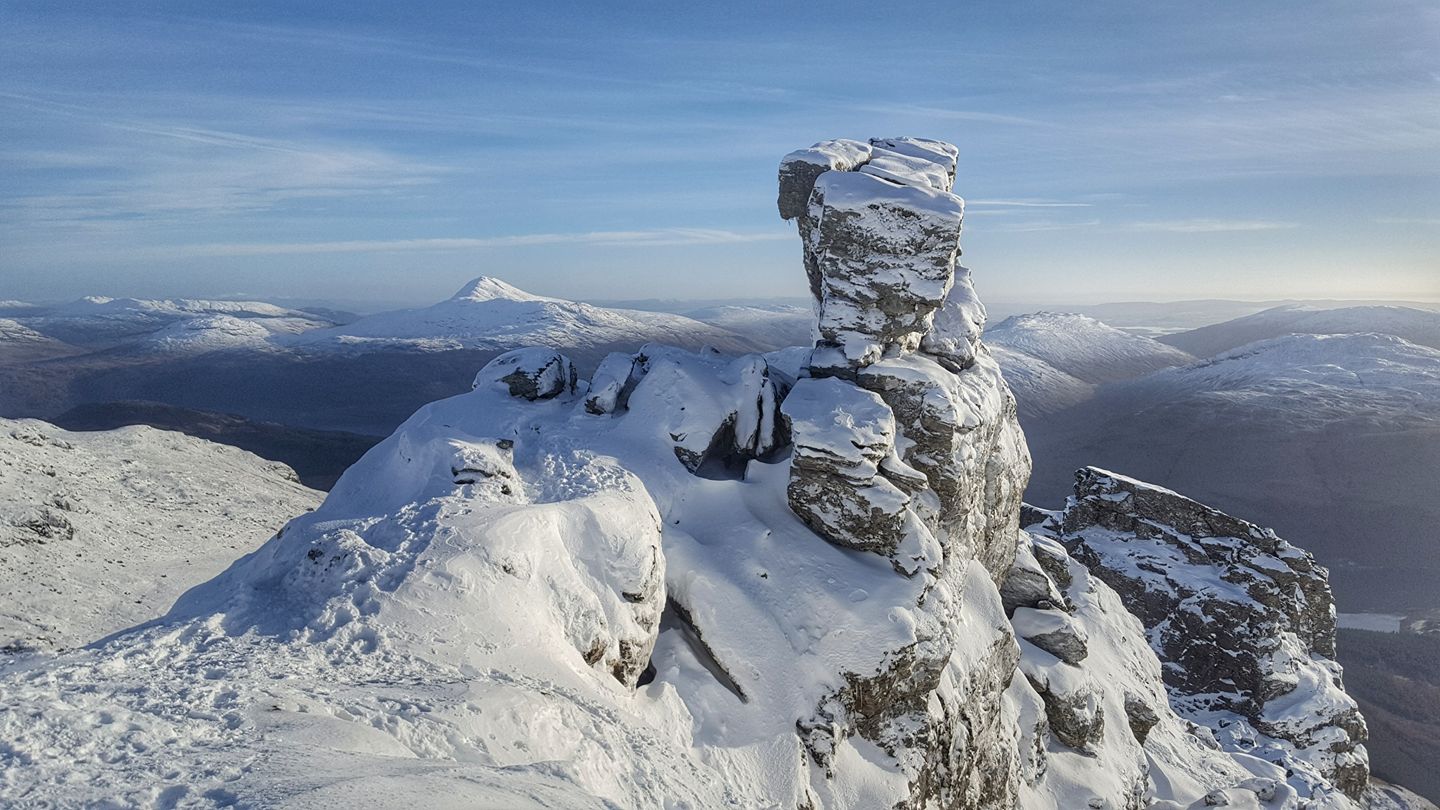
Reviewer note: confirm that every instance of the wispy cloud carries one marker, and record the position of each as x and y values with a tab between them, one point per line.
1037	226
1407	220
1211	225
1025	204
647	238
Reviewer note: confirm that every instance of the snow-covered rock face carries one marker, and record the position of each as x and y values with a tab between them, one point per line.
906	444
532	374
881	233
1243	620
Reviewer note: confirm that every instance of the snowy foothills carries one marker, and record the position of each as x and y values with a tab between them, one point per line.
736	556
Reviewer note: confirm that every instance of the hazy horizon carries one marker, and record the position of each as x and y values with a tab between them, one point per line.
1110	152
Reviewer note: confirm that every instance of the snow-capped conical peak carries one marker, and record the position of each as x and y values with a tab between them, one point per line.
489	288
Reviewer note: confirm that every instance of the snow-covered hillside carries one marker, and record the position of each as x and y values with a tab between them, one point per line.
1039	387
211	333
773	326
1334	439
1083	347
1309	381
1417	326
699	581
12	331
101	531
98	321
487	313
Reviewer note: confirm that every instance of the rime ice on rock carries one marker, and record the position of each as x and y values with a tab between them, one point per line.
881	233
844	440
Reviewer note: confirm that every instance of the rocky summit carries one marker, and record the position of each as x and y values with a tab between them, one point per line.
699	580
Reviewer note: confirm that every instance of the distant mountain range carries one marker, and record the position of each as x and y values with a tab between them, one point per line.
1331	438
310	368
1288	422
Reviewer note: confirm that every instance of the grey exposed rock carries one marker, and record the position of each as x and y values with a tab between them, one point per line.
1028	585
1052	631
489	469
1141	717
799	170
1076	715
41	525
885	256
894	452
841	436
1242	619
531	373
963	435
1052	559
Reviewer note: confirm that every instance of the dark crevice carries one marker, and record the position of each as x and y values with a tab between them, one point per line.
676	617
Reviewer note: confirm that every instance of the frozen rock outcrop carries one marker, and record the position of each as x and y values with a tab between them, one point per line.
906	444
1244	622
531	373
881	232
845	466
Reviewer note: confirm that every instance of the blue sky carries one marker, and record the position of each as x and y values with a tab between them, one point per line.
384	153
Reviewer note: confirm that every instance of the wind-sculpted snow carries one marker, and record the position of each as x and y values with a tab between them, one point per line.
792	580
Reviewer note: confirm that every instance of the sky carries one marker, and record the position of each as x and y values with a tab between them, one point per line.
380	154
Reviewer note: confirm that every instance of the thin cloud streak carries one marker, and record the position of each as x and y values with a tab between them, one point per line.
1026	204
665	237
1211	226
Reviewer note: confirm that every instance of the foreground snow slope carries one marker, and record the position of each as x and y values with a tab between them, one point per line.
101	531
692	581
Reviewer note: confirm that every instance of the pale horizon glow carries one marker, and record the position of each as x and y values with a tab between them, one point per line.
359	153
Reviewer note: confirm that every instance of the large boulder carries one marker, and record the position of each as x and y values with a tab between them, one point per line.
532	373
